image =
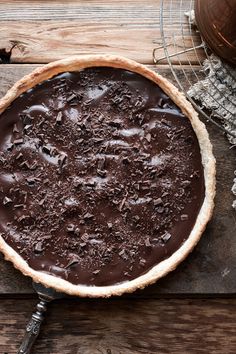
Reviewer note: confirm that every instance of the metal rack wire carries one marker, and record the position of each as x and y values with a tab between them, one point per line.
185	52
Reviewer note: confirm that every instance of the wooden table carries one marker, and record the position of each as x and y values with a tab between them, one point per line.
193	310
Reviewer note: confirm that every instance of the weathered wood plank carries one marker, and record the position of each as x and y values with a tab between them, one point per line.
43	31
211	268
76	10
124	326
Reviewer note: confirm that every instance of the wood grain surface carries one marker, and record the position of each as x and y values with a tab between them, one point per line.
42	31
124	327
211	268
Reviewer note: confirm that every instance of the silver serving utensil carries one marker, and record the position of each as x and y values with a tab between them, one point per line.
46	295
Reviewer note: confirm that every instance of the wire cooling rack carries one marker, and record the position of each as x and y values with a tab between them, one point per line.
186	53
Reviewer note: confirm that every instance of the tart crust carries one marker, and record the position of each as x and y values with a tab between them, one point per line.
77	63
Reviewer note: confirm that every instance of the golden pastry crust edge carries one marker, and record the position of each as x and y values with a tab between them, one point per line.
78	63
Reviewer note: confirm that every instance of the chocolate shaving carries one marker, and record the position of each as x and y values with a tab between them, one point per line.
33	166
122	203
142	262
59	118
41	201
165	122
165	194
95	272
83	244
18	141
7	201
160	209
62	159
71	97
101	164
185	183
27	127
38	248
88	216
118	235
74	260
70	228
166	237
15	129
77	231
23	217
2	159
157	202
102	173
10	146
195	174
184	217
18	206
46	149
148	137
85	237
147	242
26	118
19	156
31	180
123	254
126	160
98	140
117	190
24	164
115	123
77	182
110	225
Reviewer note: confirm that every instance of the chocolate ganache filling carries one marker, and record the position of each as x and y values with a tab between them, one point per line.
100	176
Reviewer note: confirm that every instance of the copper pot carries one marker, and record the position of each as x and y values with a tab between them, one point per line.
216	21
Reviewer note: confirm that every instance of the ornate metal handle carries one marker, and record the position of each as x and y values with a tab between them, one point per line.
33	327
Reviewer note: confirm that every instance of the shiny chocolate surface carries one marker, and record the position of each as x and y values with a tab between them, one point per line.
100	176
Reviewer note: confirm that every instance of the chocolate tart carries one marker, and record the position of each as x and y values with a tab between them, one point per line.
107	176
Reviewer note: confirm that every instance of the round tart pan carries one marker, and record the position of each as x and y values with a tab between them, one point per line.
164	267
